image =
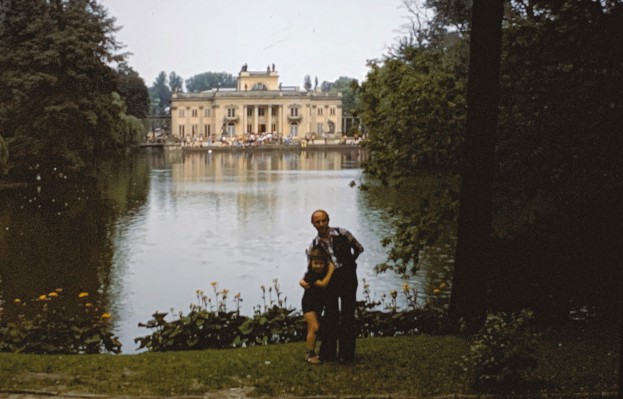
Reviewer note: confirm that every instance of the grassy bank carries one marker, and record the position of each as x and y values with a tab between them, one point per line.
571	359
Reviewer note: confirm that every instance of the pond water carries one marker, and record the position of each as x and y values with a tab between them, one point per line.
157	228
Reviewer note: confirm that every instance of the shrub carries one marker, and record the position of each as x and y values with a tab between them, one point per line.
50	325
209	324
502	353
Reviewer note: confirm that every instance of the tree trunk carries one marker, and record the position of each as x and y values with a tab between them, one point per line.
472	261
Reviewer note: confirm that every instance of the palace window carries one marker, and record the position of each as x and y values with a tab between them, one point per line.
273	110
319	128
249	111
194	113
260	112
294	112
332	111
180	130
206	130
206	112
231	112
180	113
320	111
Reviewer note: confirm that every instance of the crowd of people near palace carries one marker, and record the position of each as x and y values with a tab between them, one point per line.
253	139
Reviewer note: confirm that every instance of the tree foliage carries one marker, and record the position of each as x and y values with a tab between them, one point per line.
176	83
132	88
414	110
347	86
559	161
160	94
56	105
210	80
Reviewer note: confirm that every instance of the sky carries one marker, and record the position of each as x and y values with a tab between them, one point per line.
323	38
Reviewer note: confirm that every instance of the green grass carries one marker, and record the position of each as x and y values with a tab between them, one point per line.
570	360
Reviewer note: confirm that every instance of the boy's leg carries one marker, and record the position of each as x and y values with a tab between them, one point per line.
312	330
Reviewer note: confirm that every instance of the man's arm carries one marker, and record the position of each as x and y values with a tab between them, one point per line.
354	244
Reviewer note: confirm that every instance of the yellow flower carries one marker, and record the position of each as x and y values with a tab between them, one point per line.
106	315
237	296
442	285
42	297
53	294
59	290
17	300
88	305
83	294
393	293
436	291
213	283
225	291
405	287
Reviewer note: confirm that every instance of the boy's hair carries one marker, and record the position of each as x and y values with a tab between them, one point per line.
317	253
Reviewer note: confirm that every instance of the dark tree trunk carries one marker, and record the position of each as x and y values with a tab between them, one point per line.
469	301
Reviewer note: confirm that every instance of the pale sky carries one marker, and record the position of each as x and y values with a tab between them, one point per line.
323	38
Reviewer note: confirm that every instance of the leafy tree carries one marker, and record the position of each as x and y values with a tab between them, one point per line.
347	86
210	80
132	88
56	106
176	83
326	86
414	110
559	165
160	94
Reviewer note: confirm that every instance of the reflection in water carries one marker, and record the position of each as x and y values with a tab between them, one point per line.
168	223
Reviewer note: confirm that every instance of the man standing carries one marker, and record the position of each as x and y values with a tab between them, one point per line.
343	248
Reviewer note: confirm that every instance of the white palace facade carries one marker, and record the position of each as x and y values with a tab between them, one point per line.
259	104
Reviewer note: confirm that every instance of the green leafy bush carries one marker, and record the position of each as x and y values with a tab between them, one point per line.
502	355
52	324
209	324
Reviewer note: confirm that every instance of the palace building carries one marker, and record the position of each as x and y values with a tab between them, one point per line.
259	104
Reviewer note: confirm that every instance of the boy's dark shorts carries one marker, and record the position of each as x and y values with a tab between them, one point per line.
314	300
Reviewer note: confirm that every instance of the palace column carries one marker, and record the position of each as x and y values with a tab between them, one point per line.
269	128
255	117
244	119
